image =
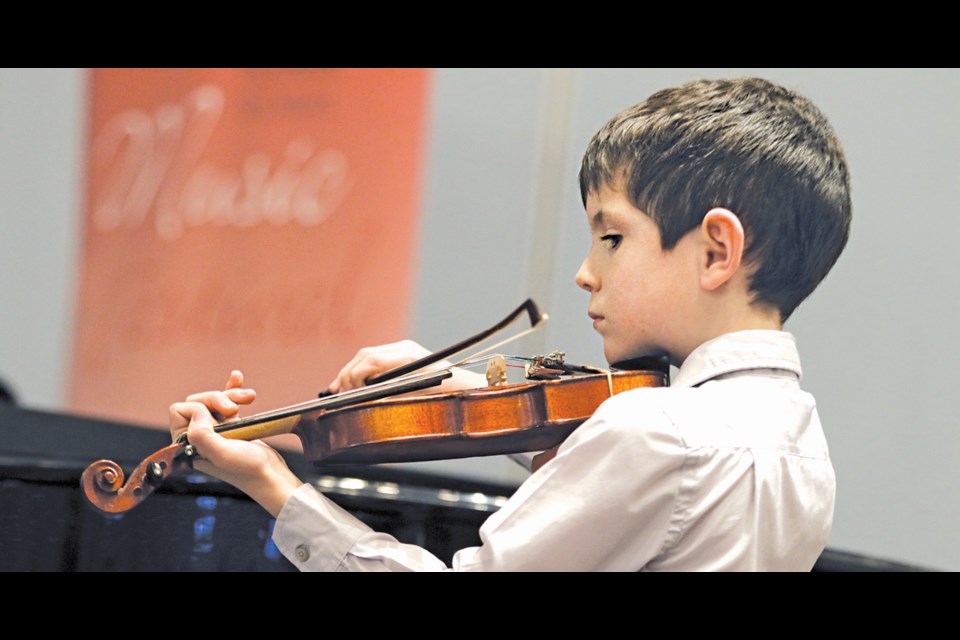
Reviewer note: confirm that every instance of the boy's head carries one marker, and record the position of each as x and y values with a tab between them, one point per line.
747	145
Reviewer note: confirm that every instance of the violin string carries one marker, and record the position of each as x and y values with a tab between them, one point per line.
517	336
478	361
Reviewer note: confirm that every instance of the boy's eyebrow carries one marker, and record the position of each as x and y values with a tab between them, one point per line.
597	220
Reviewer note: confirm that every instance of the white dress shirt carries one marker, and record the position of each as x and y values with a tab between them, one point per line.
727	469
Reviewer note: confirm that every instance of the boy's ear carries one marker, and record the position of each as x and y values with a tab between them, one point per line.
723	239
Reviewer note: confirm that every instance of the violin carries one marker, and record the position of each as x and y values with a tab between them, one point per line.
382	423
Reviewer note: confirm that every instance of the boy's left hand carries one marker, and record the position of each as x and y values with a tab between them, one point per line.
252	466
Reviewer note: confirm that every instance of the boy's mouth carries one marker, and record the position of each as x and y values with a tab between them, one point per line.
597	318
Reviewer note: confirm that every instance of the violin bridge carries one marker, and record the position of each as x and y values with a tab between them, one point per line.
496	371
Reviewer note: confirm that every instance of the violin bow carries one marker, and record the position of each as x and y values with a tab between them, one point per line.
537	320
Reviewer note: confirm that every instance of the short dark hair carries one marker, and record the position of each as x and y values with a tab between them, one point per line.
766	153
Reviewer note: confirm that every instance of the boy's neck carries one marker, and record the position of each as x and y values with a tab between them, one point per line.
737	318
749	317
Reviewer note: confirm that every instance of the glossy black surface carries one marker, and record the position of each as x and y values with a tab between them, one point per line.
192	522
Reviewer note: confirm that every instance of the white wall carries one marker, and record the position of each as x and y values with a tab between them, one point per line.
41	128
878	339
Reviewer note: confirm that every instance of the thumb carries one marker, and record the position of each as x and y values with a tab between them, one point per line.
200	429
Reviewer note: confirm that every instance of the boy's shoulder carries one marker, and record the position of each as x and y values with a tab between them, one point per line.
645	416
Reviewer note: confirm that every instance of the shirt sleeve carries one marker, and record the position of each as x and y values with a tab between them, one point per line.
605	502
316	534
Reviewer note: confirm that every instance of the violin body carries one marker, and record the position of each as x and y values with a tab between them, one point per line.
511	418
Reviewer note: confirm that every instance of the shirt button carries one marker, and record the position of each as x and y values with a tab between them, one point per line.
302	553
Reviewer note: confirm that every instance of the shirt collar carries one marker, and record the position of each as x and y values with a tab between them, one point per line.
739	351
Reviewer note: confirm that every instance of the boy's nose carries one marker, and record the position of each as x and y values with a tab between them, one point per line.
585	278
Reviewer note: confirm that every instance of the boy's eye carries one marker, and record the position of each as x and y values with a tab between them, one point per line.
613	239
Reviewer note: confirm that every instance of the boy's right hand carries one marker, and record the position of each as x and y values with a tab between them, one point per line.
371	361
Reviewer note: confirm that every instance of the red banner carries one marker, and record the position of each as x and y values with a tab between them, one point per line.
258	219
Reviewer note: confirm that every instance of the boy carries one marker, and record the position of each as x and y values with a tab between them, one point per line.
715	208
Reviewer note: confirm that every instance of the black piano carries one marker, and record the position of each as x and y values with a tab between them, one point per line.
195	523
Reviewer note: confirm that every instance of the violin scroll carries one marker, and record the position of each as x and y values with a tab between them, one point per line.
103	481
